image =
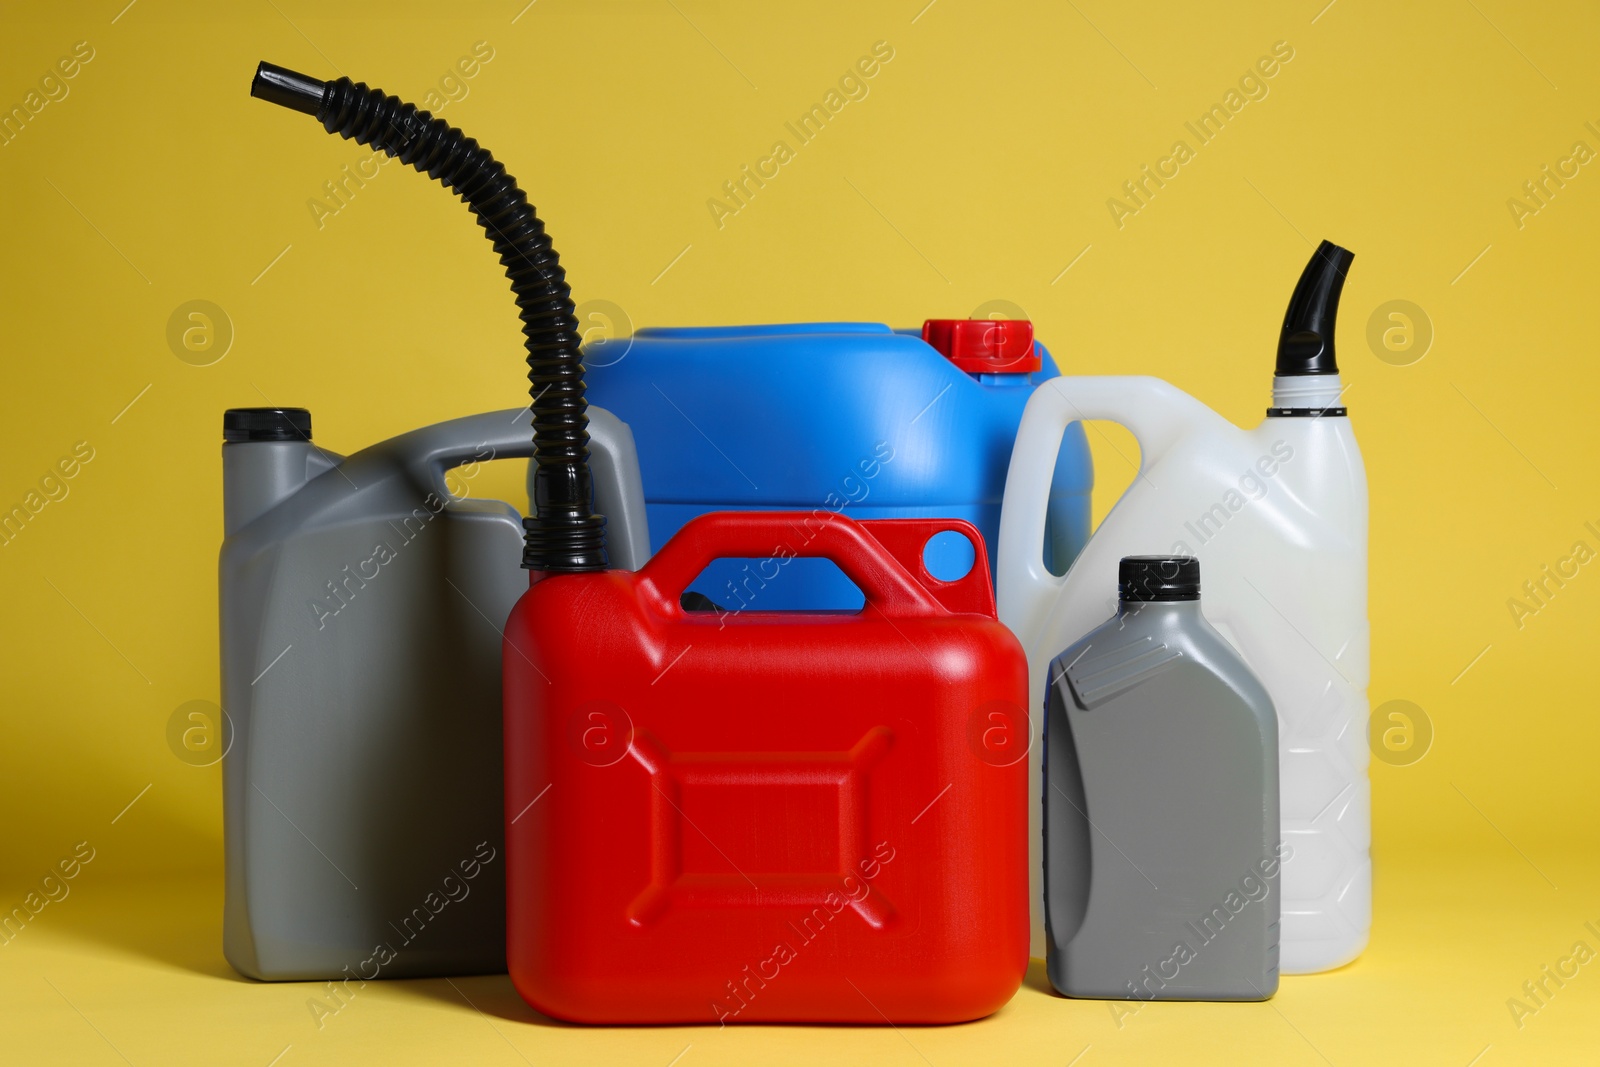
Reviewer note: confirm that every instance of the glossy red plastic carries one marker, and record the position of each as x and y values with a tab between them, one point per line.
738	816
985	346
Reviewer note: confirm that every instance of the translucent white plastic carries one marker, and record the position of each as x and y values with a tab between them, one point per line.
1278	518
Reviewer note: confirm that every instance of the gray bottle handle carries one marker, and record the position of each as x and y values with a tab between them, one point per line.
618	493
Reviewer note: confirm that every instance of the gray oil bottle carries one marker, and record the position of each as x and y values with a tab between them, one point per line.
362	606
1160	804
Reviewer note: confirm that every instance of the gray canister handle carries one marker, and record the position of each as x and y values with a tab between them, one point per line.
613	459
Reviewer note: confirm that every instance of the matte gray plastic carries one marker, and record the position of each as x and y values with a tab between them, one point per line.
1160	814
361	610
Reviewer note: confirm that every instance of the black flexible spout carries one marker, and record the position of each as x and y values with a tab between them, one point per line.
564	536
1306	345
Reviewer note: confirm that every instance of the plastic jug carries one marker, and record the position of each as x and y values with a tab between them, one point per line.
773	817
1278	518
362	605
1161	804
845	418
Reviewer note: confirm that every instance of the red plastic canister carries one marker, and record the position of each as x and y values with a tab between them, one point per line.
724	816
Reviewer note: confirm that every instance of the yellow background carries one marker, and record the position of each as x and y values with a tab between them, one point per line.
977	169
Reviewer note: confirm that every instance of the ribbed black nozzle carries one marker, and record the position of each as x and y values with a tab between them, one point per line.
565	535
287	88
1306	345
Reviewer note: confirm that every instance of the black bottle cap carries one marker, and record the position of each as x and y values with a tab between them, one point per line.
1306	344
266	424
1146	578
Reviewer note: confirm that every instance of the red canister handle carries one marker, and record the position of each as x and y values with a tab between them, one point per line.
883	557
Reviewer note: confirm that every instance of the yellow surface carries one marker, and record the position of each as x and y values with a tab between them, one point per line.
135	969
977	168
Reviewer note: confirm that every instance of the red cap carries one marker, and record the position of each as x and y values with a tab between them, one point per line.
985	346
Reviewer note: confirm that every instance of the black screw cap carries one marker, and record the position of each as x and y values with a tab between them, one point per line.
1148	578
266	424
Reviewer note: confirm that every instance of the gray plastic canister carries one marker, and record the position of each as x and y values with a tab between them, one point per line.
361	614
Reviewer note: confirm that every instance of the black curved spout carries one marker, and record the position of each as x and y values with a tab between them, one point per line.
564	535
1306	345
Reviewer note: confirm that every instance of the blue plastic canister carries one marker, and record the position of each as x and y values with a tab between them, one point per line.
850	418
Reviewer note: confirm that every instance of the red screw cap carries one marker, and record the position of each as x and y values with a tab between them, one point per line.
985	346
